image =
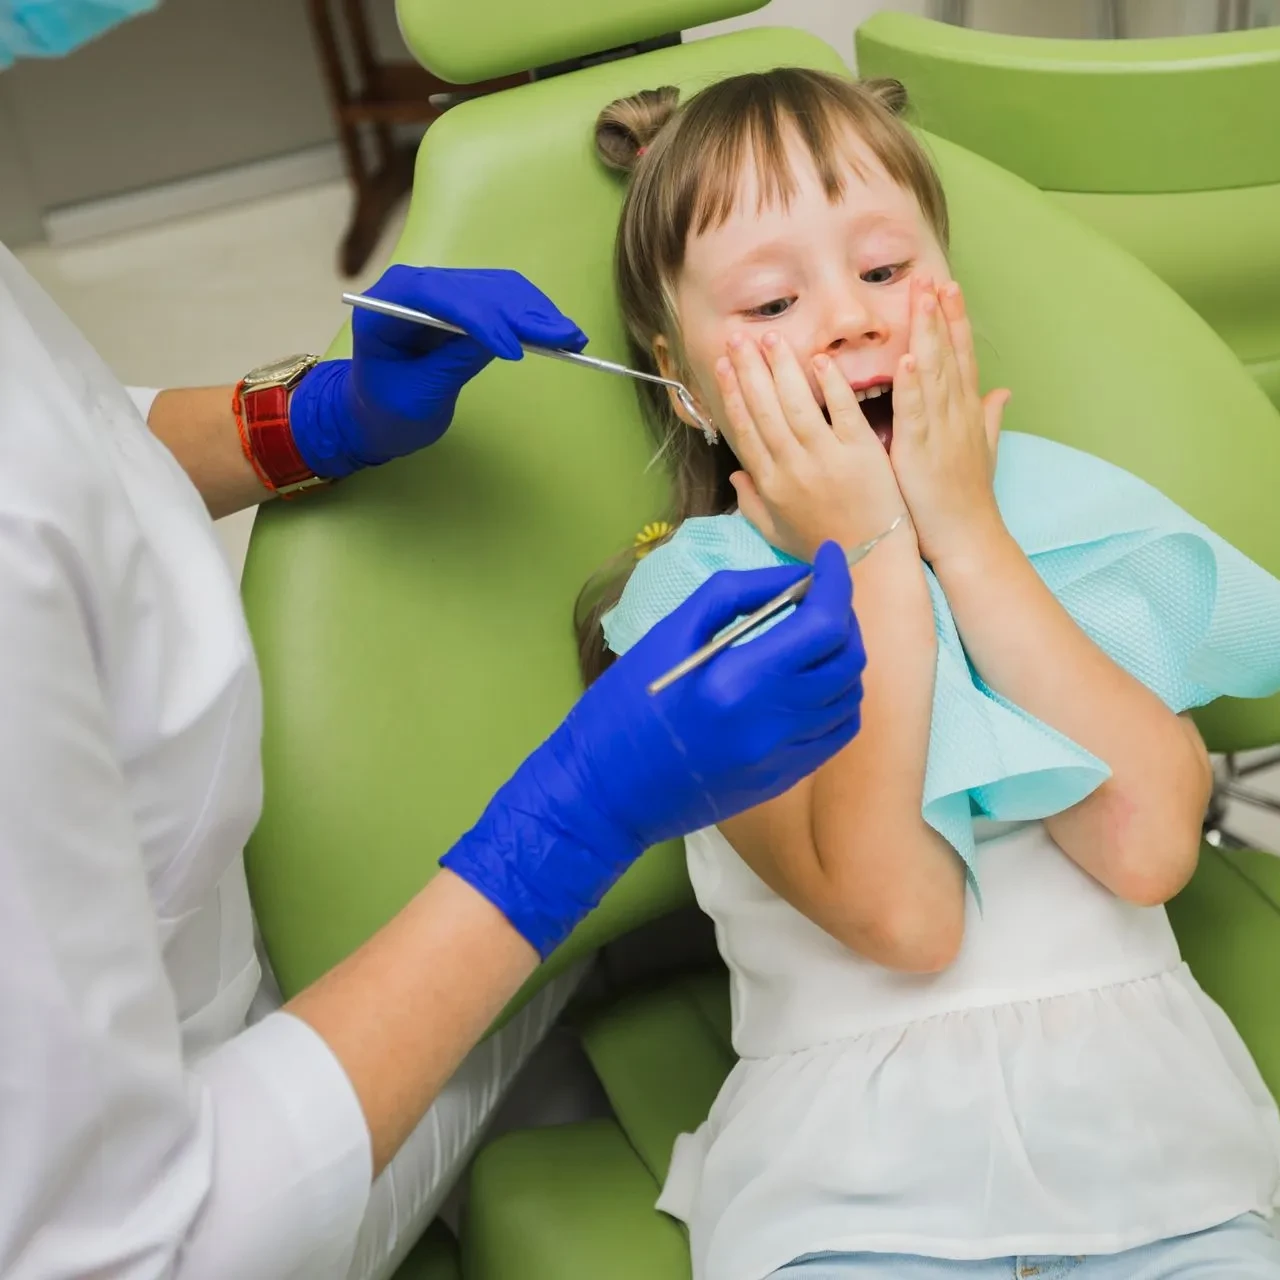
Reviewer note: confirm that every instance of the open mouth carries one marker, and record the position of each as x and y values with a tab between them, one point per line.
877	407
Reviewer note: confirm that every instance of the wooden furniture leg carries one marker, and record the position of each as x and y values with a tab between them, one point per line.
366	112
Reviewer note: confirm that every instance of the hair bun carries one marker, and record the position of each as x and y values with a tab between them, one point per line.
890	94
626	127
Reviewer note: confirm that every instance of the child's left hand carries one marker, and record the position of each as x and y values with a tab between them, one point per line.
945	435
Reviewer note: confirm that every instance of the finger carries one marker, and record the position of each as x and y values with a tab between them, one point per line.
753	507
822	721
740	427
381	335
821	624
455	296
960	330
795	395
832	592
803	756
952	380
910	414
828	683
847	419
553	330
993	407
927	351
488	326
910	419
458	361
728	595
761	398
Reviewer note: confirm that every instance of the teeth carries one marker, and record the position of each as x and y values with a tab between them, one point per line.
871	392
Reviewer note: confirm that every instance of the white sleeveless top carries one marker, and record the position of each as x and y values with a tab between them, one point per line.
1064	1088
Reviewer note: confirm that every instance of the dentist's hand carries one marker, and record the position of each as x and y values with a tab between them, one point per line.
398	391
627	769
945	434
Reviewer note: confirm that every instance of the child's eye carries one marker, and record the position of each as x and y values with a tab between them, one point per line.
883	275
771	310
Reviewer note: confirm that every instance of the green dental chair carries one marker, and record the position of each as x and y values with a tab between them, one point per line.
1171	147
413	623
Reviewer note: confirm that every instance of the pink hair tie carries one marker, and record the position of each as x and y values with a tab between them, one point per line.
640	151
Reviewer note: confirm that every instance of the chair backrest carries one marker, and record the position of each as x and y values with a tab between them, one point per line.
413	624
1171	147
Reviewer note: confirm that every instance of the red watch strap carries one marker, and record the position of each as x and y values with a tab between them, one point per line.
262	418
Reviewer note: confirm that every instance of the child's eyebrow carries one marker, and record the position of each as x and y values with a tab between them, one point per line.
880	222
782	246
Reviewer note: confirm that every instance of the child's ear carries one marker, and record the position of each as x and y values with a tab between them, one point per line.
667	367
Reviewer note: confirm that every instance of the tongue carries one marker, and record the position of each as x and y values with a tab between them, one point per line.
884	434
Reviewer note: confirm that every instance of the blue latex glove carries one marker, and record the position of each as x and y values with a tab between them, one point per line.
627	769
398	391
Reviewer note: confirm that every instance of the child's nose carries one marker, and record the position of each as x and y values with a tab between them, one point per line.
853	320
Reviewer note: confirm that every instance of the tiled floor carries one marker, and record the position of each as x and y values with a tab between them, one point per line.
201	300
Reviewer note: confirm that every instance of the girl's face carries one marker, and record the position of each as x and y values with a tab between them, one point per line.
828	277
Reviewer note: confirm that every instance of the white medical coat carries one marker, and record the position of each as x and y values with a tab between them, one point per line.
143	1131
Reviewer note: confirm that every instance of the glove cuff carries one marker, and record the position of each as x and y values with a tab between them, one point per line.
541	876
317	411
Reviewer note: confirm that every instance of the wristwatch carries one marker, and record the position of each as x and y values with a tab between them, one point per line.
261	407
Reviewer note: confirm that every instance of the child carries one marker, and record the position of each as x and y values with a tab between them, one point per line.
1040	1088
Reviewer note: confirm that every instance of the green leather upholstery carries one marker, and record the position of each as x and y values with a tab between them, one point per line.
434	1257
467	43
576	1203
1170	147
413	624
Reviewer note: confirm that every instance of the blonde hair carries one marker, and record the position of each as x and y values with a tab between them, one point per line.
685	162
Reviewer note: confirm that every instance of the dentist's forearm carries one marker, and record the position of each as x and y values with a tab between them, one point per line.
197	426
402	1011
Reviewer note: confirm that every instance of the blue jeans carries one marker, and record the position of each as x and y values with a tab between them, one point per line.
1243	1249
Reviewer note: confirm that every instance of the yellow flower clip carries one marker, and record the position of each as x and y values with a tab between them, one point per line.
650	536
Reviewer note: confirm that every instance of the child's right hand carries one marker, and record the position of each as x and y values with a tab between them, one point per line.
804	482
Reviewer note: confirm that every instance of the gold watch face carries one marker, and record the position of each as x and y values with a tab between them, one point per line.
279	372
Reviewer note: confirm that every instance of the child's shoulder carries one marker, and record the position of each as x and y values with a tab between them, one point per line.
671	573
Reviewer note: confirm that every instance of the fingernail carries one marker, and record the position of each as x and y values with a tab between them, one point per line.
821	363
908	364
951	289
723	367
770	339
735	342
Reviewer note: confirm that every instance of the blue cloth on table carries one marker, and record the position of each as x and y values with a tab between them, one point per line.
52	28
1161	594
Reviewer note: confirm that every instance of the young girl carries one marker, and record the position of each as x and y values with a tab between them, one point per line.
1034	1088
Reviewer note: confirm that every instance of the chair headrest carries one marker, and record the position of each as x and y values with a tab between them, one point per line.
1184	113
484	39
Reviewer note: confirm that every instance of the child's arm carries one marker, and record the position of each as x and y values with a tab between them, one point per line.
848	847
1138	833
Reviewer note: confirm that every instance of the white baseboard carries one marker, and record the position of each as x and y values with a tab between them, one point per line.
74	223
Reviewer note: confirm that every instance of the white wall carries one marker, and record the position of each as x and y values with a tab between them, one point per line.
834	20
